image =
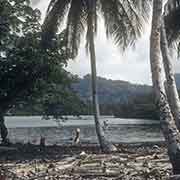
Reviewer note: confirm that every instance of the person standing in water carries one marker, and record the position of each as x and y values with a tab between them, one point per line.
77	136
105	124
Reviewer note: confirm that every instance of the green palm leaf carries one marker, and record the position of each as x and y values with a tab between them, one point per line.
124	20
75	26
55	15
172	25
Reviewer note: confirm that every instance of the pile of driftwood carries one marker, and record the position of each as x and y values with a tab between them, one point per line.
127	165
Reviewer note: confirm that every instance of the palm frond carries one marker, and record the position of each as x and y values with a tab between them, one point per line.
143	7
113	20
55	16
75	26
51	4
124	20
172	25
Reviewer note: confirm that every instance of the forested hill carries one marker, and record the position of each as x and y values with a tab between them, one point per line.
116	97
121	98
111	91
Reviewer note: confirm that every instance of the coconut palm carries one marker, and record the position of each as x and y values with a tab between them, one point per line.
171	13
123	21
168	125
171	88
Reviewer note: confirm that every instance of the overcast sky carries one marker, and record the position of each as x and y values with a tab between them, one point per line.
133	65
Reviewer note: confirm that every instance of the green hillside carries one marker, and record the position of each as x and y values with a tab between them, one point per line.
116	97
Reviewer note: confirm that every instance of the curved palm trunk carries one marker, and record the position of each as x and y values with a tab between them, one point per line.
169	129
104	144
171	88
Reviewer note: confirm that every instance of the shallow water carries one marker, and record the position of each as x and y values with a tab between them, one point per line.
24	129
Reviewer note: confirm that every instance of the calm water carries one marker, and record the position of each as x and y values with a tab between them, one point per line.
24	129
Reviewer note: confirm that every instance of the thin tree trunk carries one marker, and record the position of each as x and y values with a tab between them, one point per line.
173	96
3	129
169	129
104	144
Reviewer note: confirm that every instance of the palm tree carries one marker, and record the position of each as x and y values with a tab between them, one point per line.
168	126
171	89
170	15
170	32
3	128
123	22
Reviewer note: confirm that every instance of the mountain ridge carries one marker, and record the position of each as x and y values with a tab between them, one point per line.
116	90
109	90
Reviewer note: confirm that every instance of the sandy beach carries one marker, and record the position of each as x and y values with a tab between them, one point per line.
138	161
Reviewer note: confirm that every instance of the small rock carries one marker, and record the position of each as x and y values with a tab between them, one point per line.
156	148
82	155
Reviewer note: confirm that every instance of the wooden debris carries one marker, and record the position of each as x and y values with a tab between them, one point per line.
82	165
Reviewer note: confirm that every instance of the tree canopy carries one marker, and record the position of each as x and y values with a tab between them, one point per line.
28	73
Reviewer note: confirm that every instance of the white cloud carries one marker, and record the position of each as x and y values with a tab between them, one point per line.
35	2
133	65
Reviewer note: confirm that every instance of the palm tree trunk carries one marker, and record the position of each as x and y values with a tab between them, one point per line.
173	96
3	129
104	144
169	129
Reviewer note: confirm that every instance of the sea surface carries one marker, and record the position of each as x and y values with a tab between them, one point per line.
30	128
